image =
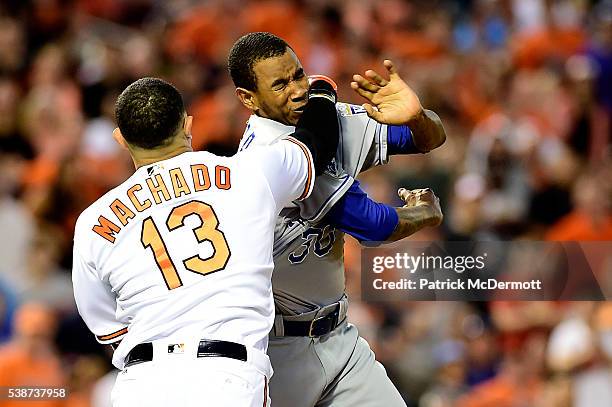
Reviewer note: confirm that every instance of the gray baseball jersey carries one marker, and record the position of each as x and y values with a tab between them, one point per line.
308	254
338	369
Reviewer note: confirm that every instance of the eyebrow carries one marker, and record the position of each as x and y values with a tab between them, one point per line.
282	81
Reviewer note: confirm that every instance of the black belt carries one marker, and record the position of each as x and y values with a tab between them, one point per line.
206	348
317	327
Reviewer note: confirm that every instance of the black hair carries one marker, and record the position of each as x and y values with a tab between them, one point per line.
149	112
250	49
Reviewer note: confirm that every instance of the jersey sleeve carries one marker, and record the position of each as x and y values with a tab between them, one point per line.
95	301
400	141
363	142
288	167
361	217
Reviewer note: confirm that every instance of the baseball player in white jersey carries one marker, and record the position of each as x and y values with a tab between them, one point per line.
319	357
174	269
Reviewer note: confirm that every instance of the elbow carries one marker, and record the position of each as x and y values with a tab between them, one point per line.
441	139
430	130
436	139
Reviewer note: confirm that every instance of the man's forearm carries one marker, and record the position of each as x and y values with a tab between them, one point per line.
427	131
318	126
411	220
318	130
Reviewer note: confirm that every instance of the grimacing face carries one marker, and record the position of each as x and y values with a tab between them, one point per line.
282	88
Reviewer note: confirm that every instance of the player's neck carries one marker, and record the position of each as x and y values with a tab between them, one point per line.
142	157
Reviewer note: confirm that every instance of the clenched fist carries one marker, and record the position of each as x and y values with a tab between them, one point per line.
424	198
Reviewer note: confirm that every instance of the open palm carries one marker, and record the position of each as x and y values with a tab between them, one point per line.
391	101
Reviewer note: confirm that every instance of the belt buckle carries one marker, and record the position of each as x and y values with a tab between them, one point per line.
334	315
312	326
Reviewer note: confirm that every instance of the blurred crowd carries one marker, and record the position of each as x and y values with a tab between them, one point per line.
524	91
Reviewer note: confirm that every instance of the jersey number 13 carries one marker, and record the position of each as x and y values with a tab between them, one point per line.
208	231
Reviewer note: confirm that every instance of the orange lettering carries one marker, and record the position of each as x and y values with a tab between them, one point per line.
106	229
201	179
140	206
222	177
122	212
179	184
156	189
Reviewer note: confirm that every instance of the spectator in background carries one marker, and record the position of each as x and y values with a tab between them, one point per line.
450	380
518	382
591	218
13	46
578	351
29	359
16	220
45	281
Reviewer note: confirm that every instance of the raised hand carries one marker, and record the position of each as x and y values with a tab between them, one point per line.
391	101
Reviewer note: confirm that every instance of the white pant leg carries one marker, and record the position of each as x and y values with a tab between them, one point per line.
191	382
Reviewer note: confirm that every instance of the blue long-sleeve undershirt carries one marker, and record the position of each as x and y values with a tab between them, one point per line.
400	141
361	217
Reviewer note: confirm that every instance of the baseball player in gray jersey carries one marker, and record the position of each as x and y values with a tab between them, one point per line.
318	357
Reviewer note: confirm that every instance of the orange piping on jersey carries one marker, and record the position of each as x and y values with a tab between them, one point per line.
179	184
140	206
106	229
196	170
219	170
156	189
309	178
114	335
122	212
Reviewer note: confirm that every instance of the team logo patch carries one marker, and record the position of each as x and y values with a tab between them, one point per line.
357	109
176	348
349	110
154	168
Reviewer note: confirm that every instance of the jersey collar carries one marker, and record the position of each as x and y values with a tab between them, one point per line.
267	131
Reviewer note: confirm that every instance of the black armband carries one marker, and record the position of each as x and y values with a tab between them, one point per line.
318	129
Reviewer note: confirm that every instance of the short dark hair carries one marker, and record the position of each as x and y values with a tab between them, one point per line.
248	50
149	112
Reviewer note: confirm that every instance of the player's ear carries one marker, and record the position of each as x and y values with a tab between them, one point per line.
119	138
248	98
187	124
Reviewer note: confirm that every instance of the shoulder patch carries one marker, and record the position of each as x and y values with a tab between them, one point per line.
346	109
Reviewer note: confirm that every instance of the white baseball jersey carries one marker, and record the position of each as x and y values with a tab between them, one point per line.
184	248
